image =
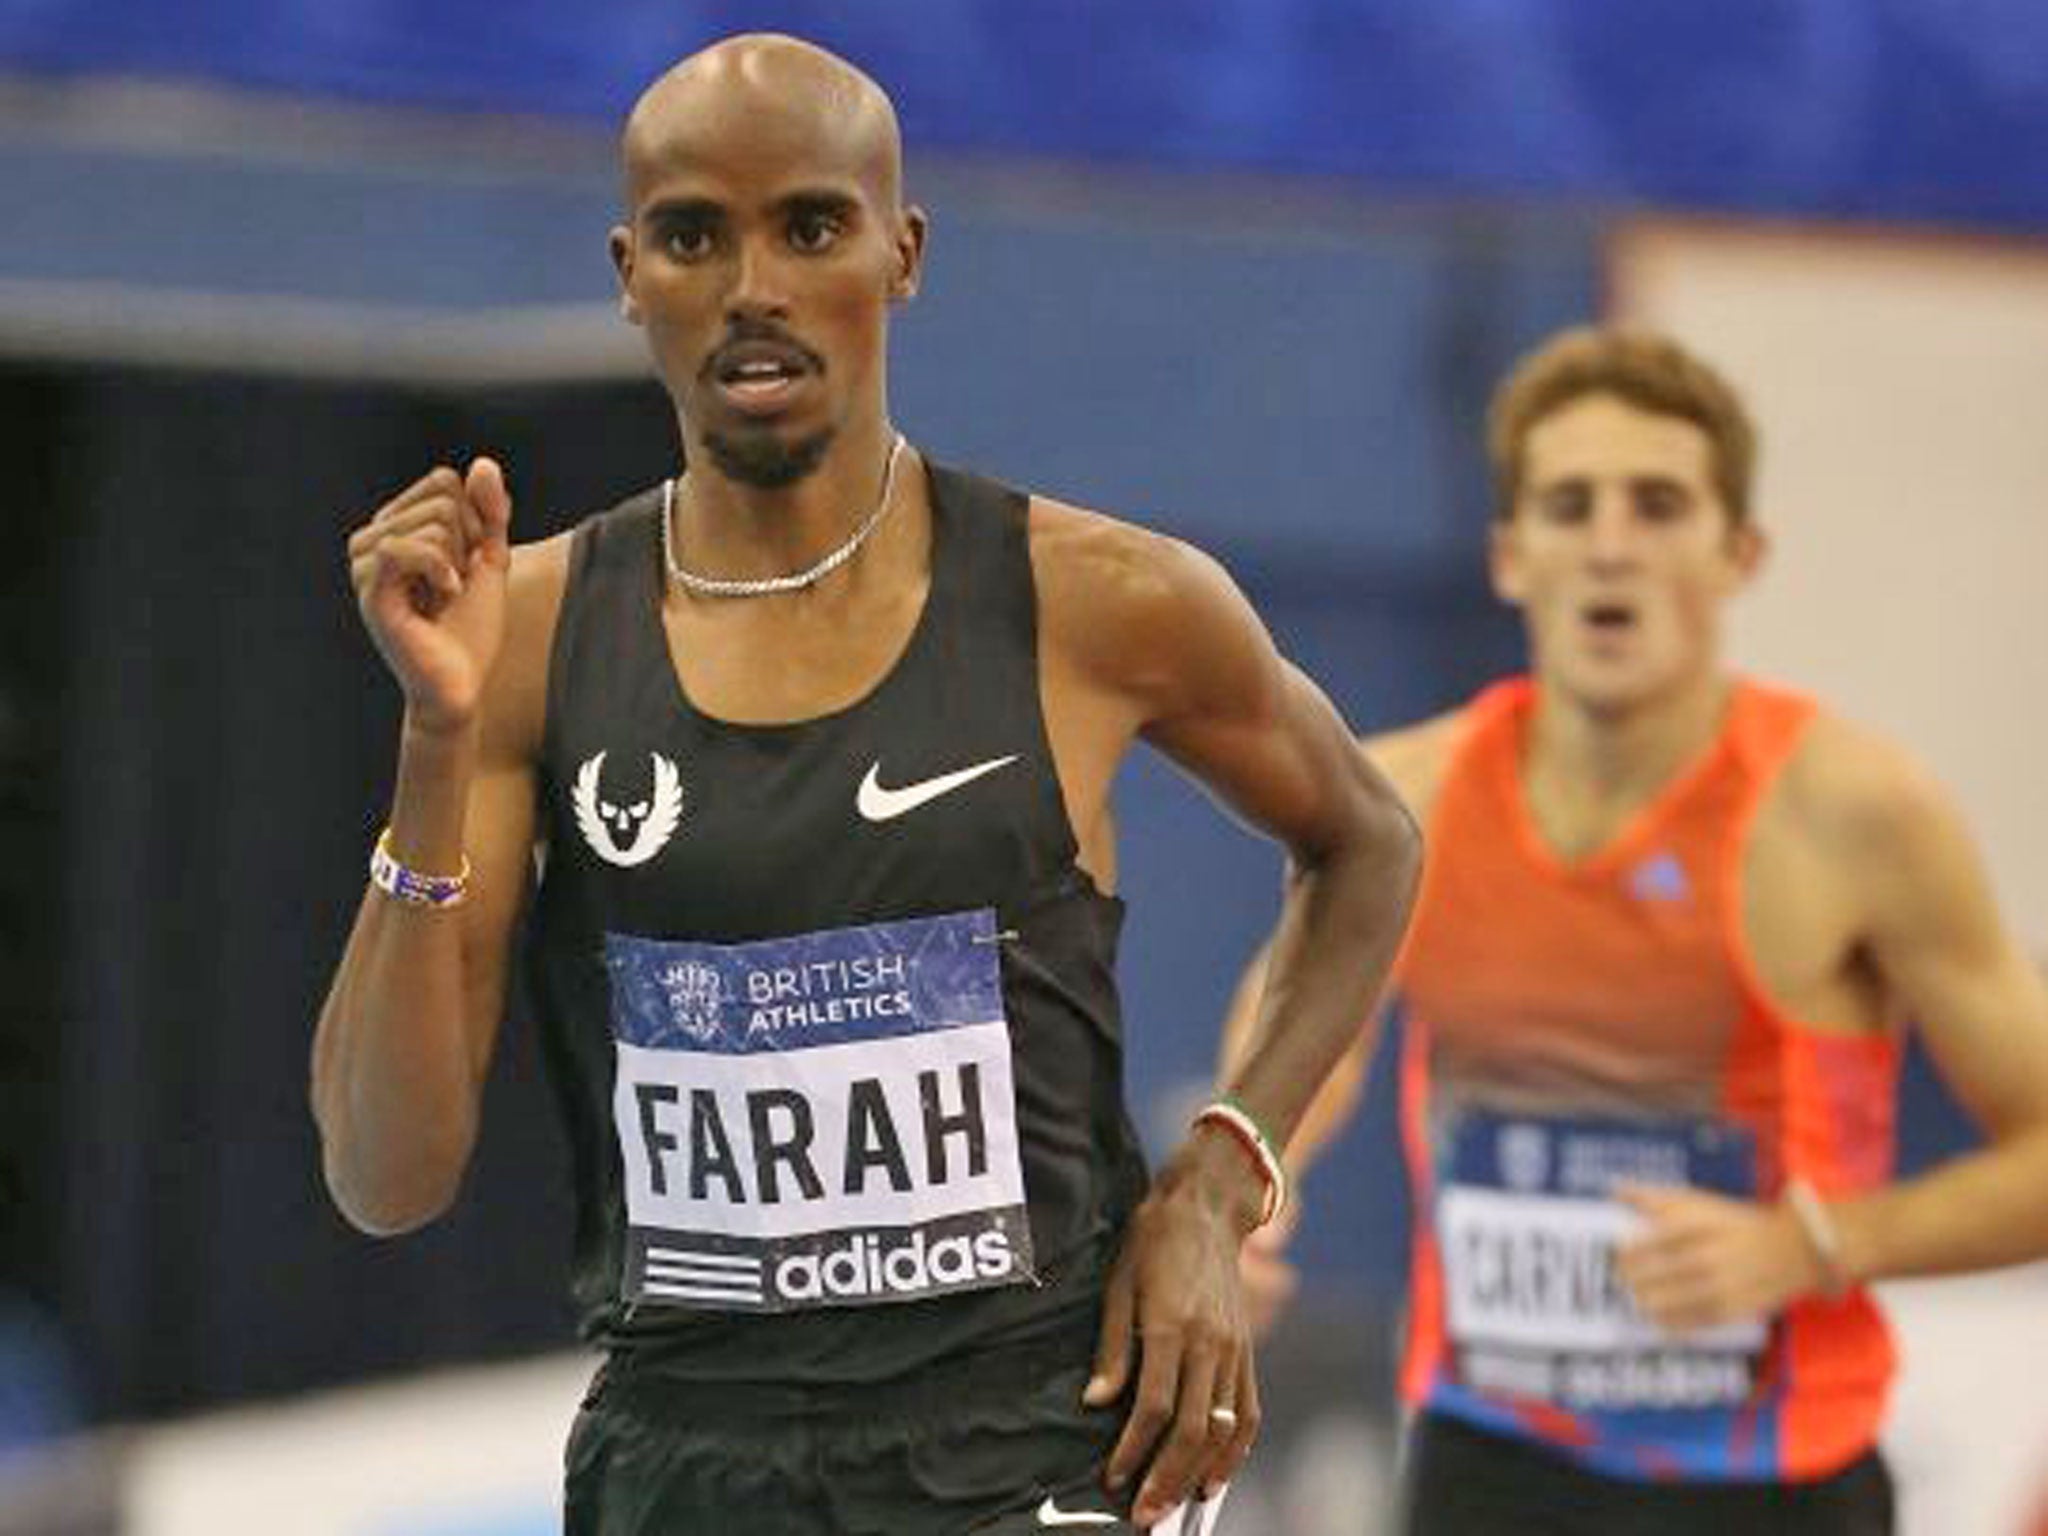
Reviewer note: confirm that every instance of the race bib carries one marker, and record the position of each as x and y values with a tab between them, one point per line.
1528	1231
823	1120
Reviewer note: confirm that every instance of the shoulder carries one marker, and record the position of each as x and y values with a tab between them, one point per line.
1847	779
1414	757
1142	611
1079	555
1863	801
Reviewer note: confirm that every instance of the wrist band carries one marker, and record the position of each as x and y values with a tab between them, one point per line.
409	885
1822	1236
1233	1118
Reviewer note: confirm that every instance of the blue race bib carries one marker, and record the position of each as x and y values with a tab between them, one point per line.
822	1120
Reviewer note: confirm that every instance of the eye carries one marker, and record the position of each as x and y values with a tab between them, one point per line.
1565	504
639	807
1662	502
813	231
606	808
688	241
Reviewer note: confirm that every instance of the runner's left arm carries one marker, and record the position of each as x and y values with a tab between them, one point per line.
1978	1002
1928	925
1218	699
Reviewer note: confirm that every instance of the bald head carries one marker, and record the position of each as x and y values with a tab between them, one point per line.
783	97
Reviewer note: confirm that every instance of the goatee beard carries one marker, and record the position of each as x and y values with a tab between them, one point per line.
765	461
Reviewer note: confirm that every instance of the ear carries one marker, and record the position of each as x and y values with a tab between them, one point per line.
1748	548
620	243
1504	560
912	228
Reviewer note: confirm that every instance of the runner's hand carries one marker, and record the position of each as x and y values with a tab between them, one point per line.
1175	1301
429	572
1704	1259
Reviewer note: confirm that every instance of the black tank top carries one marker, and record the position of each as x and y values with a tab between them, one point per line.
723	903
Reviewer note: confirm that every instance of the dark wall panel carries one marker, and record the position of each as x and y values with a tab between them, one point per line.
228	749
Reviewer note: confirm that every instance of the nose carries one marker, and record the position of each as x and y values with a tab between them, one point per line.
758	291
1611	533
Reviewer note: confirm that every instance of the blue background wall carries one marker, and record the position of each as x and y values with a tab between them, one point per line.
1929	108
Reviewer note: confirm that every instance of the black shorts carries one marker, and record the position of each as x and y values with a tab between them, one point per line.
1463	1481
983	1446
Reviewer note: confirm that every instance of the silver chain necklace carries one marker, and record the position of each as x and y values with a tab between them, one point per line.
762	586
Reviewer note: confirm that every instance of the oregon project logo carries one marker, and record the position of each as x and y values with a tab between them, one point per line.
633	833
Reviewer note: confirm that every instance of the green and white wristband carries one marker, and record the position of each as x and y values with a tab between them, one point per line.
1228	1115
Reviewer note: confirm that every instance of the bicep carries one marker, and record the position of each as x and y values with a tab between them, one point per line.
1251	727
1276	753
1938	940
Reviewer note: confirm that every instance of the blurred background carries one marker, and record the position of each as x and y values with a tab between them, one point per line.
1245	270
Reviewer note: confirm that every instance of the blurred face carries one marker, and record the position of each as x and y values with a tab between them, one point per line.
1620	554
764	249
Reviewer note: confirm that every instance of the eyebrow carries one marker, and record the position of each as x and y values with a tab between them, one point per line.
1578	477
804	199
817	200
679	209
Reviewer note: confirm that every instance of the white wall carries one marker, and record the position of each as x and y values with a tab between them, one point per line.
464	1453
1901	389
1968	1441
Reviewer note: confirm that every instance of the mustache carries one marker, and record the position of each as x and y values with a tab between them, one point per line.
745	332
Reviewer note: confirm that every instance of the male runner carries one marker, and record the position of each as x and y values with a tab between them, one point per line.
812	751
1672	926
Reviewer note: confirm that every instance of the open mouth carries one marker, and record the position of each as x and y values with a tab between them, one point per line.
1609	618
760	376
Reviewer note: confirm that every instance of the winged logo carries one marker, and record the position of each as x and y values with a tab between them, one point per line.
627	833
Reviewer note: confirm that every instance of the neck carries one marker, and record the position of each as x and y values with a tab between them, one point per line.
1621	757
729	528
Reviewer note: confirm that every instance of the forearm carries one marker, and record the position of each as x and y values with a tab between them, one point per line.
1978	1211
394	1081
1340	927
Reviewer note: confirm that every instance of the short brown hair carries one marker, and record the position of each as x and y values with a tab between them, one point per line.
1641	368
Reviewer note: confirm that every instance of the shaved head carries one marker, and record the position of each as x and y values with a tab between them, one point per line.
764	243
781	92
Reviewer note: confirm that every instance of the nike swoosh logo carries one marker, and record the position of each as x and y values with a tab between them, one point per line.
880	804
1050	1513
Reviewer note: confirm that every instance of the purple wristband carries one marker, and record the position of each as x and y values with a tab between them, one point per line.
409	885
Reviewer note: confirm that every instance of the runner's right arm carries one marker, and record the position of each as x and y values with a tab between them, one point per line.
407	1032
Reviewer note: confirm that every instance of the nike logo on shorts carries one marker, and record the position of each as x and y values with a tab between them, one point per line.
1050	1515
878	803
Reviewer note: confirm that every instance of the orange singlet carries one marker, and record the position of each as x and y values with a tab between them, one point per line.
1571	1025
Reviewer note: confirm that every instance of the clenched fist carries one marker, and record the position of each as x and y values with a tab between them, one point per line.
429	571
